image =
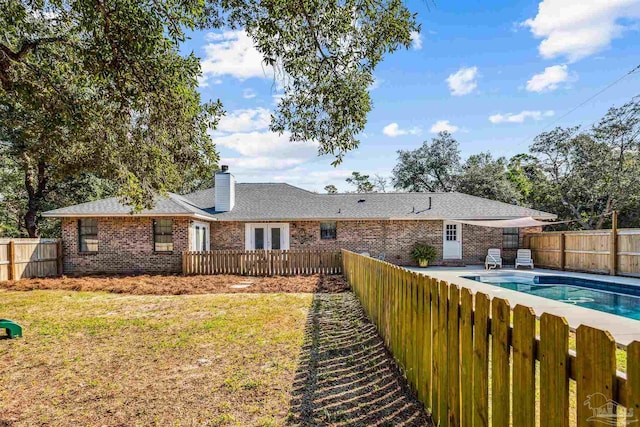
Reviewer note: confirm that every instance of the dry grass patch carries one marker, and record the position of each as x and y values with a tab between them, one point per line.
346	377
123	360
180	285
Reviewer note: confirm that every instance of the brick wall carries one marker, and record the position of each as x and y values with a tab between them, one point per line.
394	238
125	245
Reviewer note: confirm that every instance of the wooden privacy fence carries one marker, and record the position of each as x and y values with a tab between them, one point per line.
598	251
476	362
22	258
262	263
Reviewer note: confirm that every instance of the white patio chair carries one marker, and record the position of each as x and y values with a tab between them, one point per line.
523	258
493	259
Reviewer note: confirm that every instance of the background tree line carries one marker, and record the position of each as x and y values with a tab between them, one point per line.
579	174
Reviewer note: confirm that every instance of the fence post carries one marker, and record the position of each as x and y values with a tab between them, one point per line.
613	250
563	254
59	258
12	260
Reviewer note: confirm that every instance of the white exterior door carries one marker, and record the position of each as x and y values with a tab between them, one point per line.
452	240
267	236
199	236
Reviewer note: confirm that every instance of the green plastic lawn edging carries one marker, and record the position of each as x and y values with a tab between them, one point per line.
13	329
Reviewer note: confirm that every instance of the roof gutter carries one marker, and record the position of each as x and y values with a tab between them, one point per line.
124	215
375	219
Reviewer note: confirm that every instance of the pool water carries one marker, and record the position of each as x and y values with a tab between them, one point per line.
614	298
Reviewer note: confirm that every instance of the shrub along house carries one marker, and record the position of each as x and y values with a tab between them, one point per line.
104	237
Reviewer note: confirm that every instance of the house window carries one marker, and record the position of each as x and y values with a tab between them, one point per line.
328	230
88	235
162	235
510	238
451	232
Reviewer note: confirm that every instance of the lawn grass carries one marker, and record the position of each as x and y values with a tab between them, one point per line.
245	359
105	359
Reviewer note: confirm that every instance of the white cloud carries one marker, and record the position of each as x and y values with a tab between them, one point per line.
256	148
245	120
233	53
304	175
549	79
203	81
255	156
463	81
416	40
376	83
248	93
393	130
244	166
267	144
578	28
443	126
520	117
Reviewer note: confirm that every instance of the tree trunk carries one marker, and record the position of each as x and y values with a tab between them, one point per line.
31	222
36	187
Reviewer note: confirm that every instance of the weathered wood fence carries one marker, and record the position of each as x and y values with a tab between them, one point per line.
262	263
598	251
476	362
22	258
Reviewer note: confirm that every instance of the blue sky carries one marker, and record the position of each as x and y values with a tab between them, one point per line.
495	73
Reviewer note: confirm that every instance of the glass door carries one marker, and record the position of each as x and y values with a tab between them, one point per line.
258	238
269	236
199	236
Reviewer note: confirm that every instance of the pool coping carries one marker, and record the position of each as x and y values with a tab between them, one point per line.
622	329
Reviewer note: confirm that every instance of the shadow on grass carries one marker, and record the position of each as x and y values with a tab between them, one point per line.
346	376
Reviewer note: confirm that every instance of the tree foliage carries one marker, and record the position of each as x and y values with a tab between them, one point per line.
589	174
13	198
431	167
581	175
325	52
331	189
100	87
380	183
484	176
361	182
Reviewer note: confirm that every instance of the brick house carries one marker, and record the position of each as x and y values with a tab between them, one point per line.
104	237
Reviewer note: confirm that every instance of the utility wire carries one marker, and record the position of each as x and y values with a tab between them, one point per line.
609	86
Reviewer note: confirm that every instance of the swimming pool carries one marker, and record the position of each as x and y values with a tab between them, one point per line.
614	298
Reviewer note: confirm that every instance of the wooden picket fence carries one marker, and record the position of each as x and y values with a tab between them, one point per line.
262	263
23	258
595	251
476	362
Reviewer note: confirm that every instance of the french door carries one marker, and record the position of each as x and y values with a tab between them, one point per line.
266	236
199	236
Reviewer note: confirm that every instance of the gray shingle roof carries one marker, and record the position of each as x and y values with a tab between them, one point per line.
172	205
268	202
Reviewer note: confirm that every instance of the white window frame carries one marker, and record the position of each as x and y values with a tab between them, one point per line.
207	235
249	234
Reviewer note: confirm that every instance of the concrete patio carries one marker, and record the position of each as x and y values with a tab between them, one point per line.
623	330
